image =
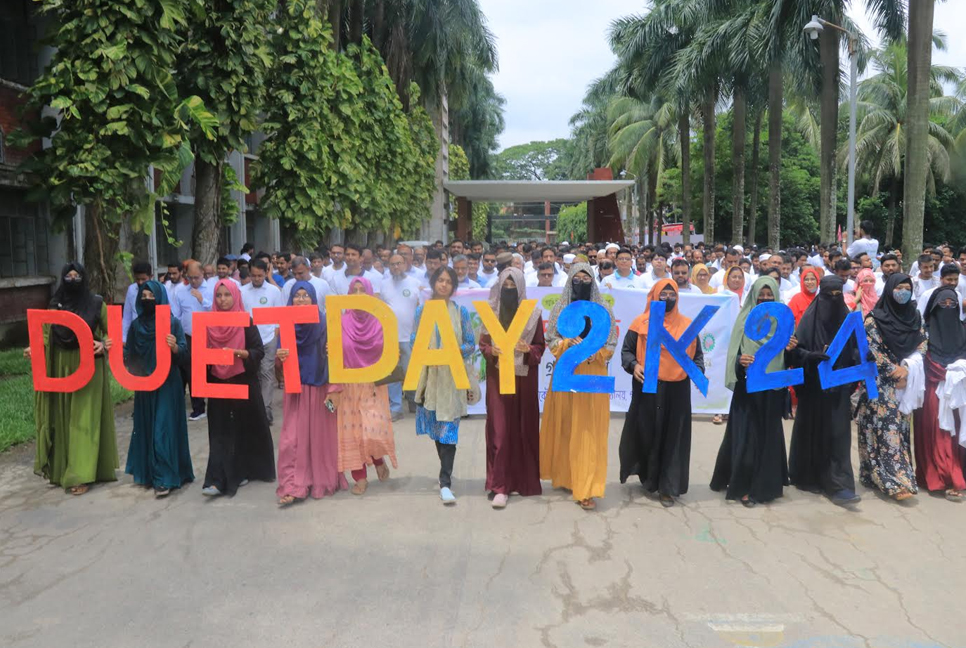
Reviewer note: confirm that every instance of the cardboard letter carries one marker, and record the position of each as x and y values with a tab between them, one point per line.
115	356
866	370
570	324
506	340
202	356
657	336
338	372
38	353
436	318
287	317
757	326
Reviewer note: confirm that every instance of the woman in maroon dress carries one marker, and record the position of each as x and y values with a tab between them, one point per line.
939	457
513	420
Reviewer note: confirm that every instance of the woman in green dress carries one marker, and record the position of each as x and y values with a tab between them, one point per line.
158	455
76	442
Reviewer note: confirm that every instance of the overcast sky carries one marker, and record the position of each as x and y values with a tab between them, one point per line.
551	49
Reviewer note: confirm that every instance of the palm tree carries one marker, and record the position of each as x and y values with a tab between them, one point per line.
881	145
643	140
917	124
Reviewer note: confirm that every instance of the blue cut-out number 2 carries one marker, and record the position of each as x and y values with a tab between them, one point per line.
757	326
570	324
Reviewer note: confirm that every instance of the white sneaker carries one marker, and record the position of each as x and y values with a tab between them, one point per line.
447	496
500	500
210	491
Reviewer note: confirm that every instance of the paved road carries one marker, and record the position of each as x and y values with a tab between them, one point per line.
394	568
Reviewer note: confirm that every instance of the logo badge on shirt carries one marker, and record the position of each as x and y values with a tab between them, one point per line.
406	292
263	300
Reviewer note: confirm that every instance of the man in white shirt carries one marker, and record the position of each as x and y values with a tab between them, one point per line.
488	274
174	280
317	261
222	271
681	274
353	268
863	241
261	294
658	271
301	272
337	253
926	279
402	294
951	277
141	271
194	297
544	276
732	258
462	266
624	277
888	265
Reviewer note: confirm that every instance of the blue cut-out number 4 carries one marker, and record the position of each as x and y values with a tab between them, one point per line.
570	324
865	370
757	326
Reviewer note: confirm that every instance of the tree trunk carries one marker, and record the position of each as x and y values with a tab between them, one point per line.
738	137
755	154
684	138
917	125
101	238
708	126
829	50
356	20
652	198
379	25
774	153
335	22
645	214
641	210
207	224
891	223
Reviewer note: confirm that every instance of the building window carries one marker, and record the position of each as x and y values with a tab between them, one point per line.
23	237
18	38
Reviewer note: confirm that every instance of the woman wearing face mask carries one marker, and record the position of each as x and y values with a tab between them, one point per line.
865	297
440	405
76	442
308	445
751	462
513	420
158	456
239	437
940	459
895	333
819	458
573	433
809	288
365	423
656	439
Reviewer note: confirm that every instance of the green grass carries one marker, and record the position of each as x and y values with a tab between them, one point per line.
12	363
17	399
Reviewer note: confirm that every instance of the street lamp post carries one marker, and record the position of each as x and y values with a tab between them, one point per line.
815	27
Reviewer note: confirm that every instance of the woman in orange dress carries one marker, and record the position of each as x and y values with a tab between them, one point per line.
573	433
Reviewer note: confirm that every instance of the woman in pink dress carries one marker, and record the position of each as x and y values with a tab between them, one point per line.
365	424
308	445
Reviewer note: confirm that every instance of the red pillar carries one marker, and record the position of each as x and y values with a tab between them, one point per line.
546	212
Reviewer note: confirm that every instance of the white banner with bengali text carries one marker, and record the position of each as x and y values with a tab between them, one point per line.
627	304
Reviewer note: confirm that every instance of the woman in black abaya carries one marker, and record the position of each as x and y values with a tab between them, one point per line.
751	462
820	459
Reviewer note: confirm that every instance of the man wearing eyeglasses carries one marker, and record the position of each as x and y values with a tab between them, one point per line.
624	276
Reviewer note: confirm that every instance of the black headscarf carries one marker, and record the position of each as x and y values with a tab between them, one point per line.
899	324
947	334
823	317
77	298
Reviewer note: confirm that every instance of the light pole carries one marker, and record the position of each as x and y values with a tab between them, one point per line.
815	27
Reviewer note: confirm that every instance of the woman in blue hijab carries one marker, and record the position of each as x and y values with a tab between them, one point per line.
158	456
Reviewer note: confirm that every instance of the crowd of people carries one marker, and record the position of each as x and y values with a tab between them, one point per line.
909	434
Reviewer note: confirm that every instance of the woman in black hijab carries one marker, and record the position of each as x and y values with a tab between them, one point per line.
76	441
895	333
819	458
940	460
